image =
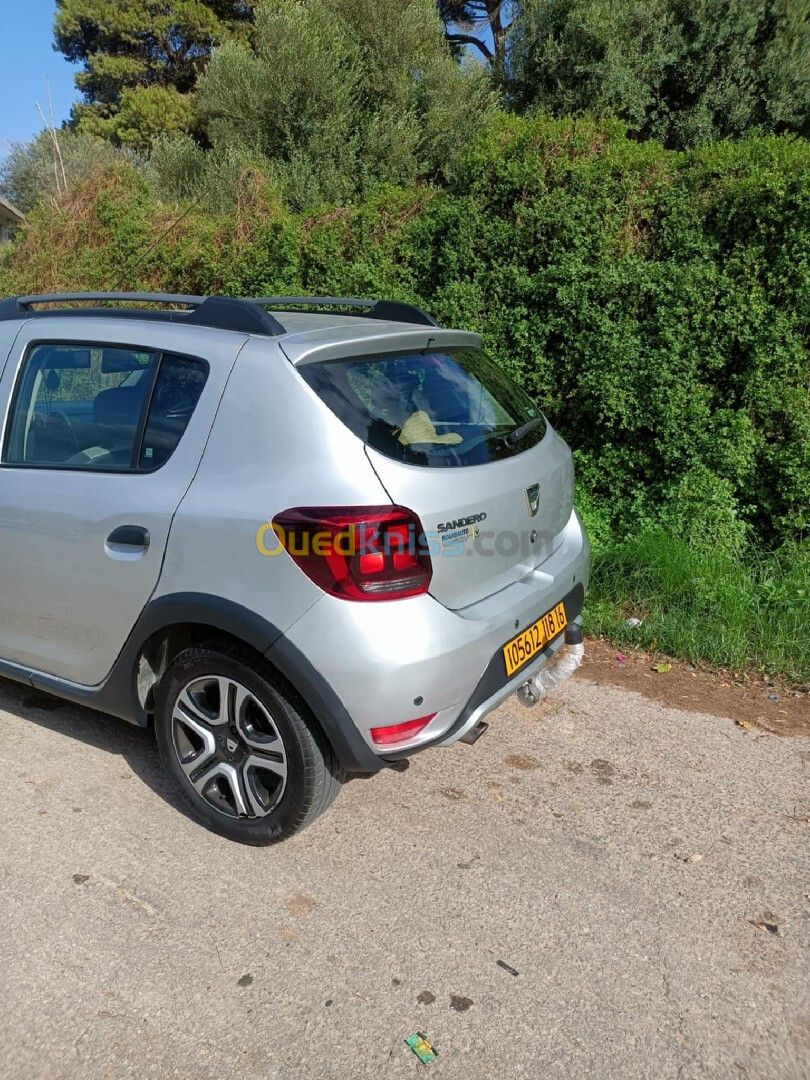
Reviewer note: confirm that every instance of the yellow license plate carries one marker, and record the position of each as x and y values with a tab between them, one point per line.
533	639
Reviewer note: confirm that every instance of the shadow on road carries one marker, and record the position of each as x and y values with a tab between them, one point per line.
135	745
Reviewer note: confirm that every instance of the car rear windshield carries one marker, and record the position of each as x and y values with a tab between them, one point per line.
435	409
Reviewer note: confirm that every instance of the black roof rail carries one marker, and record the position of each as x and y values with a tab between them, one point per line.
25	303
393	310
220	312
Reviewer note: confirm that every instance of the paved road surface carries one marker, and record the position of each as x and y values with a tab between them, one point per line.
135	944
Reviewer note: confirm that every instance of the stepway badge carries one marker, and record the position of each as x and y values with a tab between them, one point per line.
454	537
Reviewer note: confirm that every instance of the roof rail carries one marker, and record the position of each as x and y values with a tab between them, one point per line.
392	310
27	302
220	312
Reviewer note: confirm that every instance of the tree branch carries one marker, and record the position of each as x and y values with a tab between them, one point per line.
469	39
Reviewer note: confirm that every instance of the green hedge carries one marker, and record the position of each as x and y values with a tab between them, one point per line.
656	304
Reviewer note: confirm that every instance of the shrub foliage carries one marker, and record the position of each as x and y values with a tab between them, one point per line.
655	303
676	70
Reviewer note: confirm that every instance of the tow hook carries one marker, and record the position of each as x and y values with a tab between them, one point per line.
563	668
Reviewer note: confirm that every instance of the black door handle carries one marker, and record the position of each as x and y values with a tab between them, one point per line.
129	536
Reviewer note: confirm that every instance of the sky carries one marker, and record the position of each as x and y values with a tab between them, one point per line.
28	64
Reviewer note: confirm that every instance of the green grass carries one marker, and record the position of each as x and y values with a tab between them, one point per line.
707	606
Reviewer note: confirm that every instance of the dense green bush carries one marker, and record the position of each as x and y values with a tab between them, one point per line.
656	304
675	70
334	97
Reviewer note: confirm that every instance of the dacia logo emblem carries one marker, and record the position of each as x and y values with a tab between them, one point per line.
533	499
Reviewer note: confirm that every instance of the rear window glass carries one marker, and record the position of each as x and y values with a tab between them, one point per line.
435	409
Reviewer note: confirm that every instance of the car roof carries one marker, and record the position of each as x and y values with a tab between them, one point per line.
248	315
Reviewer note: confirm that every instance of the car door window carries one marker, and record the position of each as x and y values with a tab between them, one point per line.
99	407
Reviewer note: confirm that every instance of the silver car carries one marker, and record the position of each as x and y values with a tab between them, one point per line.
303	537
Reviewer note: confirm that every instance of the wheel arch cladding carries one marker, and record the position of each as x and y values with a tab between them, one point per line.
212	614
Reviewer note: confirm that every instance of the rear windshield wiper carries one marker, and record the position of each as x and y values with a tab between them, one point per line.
524	429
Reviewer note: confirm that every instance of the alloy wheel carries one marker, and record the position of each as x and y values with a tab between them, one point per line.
229	747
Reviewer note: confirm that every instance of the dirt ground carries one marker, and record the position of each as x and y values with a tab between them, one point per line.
615	884
745	697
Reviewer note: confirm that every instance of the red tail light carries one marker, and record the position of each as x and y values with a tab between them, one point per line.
358	552
399	733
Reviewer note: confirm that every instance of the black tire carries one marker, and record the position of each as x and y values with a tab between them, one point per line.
275	806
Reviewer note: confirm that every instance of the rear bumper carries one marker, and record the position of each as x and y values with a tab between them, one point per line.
361	666
549	661
494	688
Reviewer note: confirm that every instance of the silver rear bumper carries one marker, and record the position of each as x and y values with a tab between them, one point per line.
544	663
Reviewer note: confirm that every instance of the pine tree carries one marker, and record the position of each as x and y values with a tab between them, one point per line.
141	60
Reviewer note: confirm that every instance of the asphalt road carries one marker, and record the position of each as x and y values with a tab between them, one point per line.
135	944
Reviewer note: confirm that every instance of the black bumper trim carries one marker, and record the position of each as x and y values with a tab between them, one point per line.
495	678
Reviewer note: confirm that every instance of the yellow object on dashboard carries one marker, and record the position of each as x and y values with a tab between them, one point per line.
418	428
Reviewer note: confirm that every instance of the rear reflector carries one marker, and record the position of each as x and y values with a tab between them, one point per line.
358	552
400	733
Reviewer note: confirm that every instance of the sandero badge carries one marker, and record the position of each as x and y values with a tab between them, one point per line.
460	523
533	499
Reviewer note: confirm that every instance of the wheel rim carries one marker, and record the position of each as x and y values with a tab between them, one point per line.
229	747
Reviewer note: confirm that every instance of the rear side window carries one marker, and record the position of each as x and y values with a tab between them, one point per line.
434	409
179	384
97	407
